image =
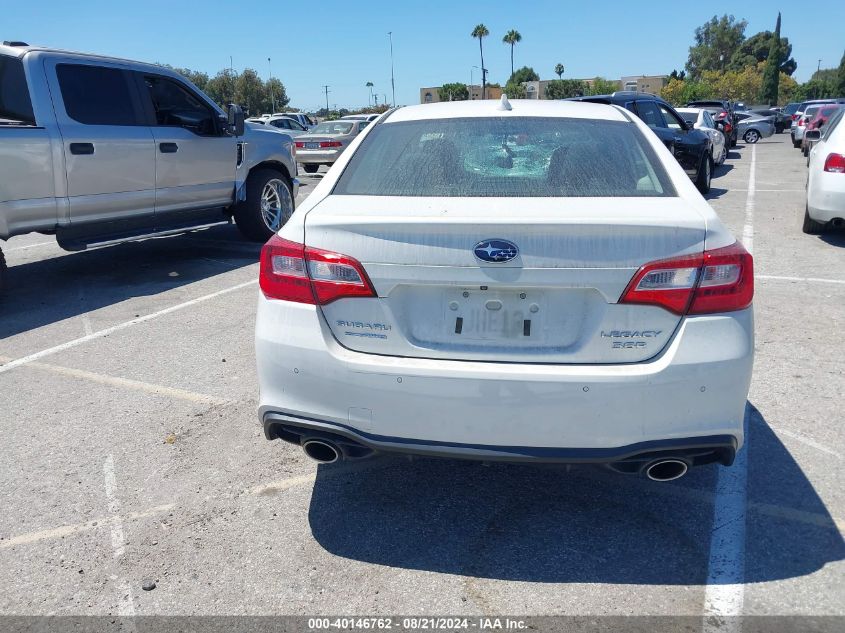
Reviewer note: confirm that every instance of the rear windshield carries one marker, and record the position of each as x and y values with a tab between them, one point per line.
333	127
505	157
15	105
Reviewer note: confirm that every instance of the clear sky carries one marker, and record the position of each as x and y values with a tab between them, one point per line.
345	44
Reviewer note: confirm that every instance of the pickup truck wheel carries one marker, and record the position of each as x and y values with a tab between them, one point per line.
310	168
268	205
705	173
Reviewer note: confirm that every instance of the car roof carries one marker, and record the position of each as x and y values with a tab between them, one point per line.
489	108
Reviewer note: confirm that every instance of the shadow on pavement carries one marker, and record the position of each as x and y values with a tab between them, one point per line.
834	237
715	193
721	170
544	524
69	284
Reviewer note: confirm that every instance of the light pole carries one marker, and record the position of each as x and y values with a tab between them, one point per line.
326	88
819	67
392	82
270	82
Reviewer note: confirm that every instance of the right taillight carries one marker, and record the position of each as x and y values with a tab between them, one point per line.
720	280
290	271
835	164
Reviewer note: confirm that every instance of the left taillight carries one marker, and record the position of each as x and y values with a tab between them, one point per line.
293	272
834	164
719	280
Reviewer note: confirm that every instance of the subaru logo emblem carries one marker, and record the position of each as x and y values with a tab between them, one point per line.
496	251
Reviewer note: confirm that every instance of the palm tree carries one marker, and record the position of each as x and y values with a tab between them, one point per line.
369	85
559	70
480	31
512	37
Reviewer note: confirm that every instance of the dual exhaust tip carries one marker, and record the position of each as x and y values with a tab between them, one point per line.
665	469
321	451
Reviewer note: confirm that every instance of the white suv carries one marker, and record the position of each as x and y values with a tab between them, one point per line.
535	281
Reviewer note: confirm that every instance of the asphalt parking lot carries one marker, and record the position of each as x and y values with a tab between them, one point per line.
131	452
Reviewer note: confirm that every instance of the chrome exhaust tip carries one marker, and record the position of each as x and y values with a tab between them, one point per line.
321	451
666	469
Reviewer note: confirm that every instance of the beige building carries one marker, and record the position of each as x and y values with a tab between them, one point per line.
645	83
432	95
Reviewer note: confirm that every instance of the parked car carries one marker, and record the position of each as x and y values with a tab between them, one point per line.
300	117
751	127
781	120
361	117
723	112
96	150
323	144
609	320
692	148
826	177
797	131
701	119
289	126
790	110
818	121
799	110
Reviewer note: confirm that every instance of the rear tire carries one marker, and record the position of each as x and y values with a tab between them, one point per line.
705	174
310	168
796	144
268	205
811	227
751	137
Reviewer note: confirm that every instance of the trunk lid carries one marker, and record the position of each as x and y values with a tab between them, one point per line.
554	302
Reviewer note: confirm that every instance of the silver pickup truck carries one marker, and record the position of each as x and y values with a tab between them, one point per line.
97	150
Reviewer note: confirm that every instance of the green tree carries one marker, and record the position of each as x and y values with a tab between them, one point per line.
771	73
523	74
756	49
514	90
480	31
199	79
559	69
840	84
564	88
453	92
250	92
602	86
513	38
715	43
276	92
221	87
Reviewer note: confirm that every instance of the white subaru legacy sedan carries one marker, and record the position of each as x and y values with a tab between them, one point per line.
522	281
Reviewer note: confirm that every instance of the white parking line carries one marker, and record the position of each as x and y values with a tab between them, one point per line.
818	280
725	592
69	530
125	606
126	383
121	326
27	246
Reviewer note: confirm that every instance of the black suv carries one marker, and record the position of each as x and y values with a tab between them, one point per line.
692	148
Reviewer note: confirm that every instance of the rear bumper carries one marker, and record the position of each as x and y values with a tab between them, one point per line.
695	388
320	157
826	197
697	450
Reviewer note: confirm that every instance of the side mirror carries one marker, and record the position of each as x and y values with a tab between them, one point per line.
235	116
812	135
